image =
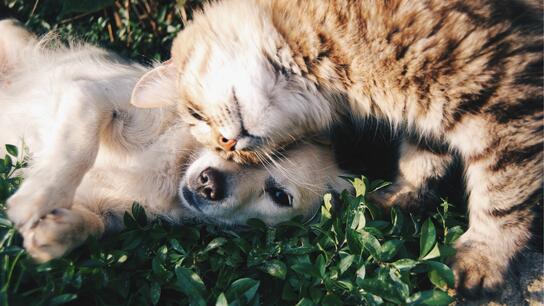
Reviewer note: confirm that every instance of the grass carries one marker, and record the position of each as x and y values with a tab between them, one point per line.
355	254
142	30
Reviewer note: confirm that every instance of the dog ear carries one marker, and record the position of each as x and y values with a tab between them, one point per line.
322	139
157	88
14	37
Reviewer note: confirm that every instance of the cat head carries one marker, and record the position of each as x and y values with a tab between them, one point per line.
234	80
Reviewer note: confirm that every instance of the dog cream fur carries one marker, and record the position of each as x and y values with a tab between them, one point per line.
92	154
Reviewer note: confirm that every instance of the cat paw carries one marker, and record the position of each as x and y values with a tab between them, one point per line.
477	274
402	196
54	235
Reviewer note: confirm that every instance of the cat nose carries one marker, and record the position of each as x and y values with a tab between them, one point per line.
211	185
227	144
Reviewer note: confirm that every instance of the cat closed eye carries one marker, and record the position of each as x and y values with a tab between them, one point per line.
195	114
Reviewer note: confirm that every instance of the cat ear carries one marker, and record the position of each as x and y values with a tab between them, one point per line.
157	88
281	57
286	60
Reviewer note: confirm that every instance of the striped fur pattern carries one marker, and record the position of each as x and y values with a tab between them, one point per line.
467	74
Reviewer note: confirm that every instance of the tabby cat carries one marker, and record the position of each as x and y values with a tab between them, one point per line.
259	74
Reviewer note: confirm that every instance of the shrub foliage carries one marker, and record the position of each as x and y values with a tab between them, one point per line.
355	253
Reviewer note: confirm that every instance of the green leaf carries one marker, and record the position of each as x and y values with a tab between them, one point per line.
304	268
221	300
380	288
345	263
361	220
12	150
378	184
63	299
5	222
390	248
191	284
371	299
158	269
430	298
155	293
361	272
3	168
275	268
214	244
321	265
331	299
326	208
434	253
305	302
354	242
360	187
405	264
453	234
371	244
427	238
397	218
244	288
139	215
177	246
347	286
6	164
440	274
129	221
446	251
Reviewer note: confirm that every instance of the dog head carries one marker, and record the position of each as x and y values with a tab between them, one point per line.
223	192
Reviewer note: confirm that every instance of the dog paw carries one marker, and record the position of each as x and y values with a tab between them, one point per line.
54	235
477	274
32	202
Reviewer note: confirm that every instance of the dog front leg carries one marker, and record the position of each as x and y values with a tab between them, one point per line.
61	231
69	152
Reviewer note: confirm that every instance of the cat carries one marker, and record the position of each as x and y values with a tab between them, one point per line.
92	154
259	74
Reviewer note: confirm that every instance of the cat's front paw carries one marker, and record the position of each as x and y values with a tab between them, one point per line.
54	235
477	272
401	195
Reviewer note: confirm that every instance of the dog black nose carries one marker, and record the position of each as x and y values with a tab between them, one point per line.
211	185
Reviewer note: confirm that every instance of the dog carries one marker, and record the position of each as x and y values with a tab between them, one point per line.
92	154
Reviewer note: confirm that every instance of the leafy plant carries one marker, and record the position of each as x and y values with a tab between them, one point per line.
140	29
355	254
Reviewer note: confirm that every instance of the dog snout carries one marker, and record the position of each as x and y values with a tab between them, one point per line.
211	185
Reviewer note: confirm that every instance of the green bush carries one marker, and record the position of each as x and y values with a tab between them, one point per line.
354	254
140	29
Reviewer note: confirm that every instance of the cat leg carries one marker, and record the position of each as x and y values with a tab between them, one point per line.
61	231
420	168
70	150
501	199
